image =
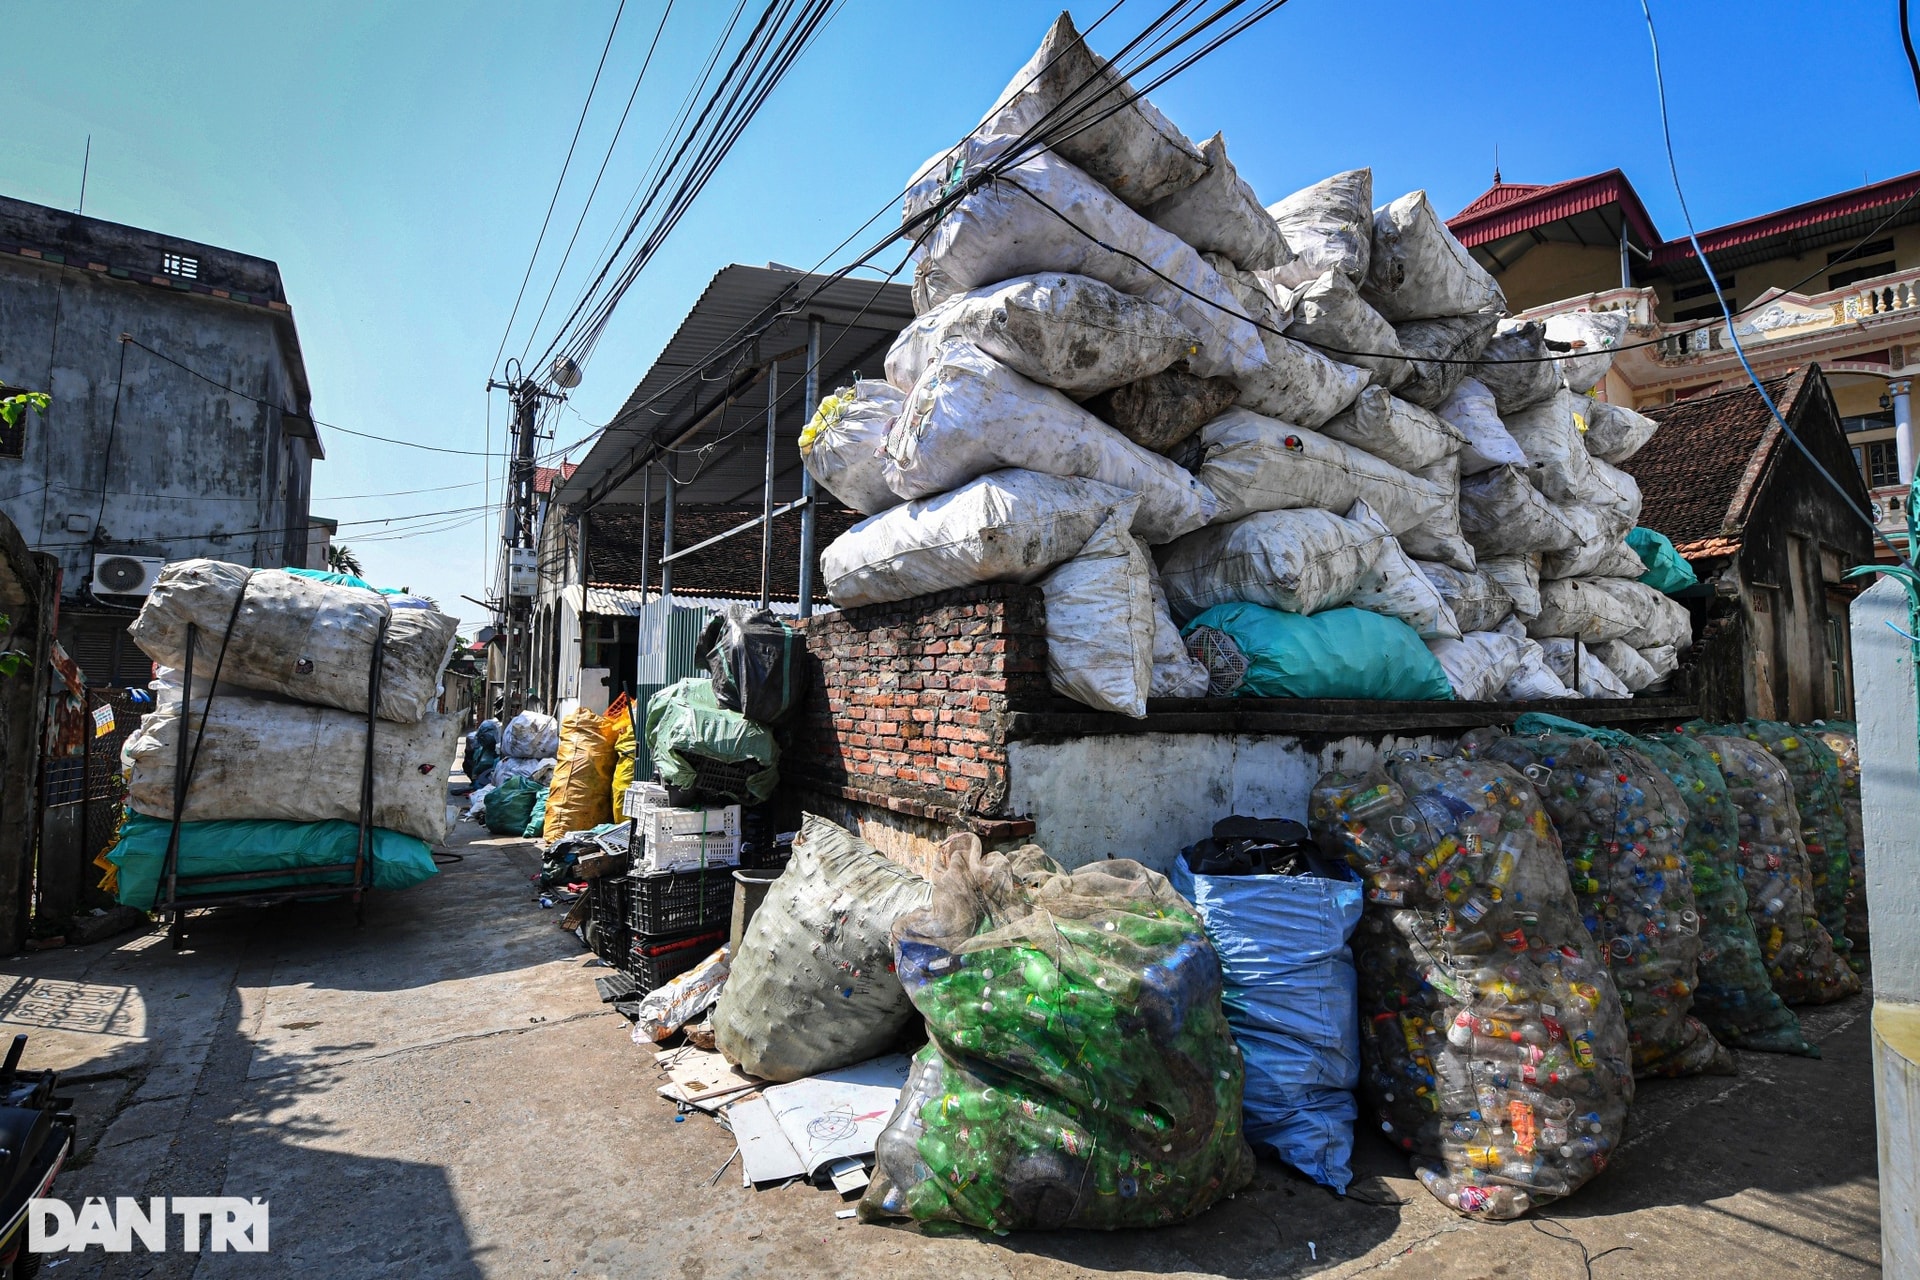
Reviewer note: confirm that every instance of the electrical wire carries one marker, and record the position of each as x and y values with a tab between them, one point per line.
558	183
1673	168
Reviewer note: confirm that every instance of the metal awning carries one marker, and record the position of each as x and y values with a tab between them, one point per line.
702	407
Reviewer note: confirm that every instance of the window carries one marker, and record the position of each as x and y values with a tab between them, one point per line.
13	438
1873	250
1838	650
1867	422
599	637
1841	279
1699	289
1882	464
1705	313
178	264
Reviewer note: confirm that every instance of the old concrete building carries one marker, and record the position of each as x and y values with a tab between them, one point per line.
180	424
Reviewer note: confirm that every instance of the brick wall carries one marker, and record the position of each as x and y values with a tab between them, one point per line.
909	701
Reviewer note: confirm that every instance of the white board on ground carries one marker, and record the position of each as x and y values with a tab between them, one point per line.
765	1153
839	1113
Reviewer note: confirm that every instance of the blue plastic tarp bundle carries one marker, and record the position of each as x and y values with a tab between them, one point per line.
1292	999
213	848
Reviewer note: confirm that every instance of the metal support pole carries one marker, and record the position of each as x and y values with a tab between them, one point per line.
646	525
1626	266
666	537
766	489
812	400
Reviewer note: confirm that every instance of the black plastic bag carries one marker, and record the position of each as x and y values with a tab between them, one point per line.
756	665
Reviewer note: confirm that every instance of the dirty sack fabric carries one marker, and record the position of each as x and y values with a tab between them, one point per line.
1291	998
297	636
1072	333
970	414
538	770
1440	537
530	736
1419	271
1393	429
1435	349
1532	679
813	987
1593	338
1258	300
1100	621
687	727
1299	561
1254	463
1469	409
1006	526
1338	653
1328	227
1615	432
1503	514
1519	576
1519	369
1221	214
1122	141
1050	996
1045	215
580	797
1163	409
1590	609
268	759
1573	662
1477	600
1601	553
1329	313
1176	673
1299	384
1663	658
1633	671
1479	663
843	447
210	848
1396	588
1552	434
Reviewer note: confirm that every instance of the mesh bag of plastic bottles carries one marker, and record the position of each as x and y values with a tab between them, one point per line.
1080	1072
1843	739
1494	1049
1798	952
1621	825
1823	817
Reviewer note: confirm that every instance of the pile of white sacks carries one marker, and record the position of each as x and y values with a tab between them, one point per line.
1131	383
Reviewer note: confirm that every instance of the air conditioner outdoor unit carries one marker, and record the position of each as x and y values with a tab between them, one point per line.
120	575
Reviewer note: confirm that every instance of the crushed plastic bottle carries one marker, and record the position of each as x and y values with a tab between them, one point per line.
1842	738
1079	1070
1621	825
1495	1049
1795	946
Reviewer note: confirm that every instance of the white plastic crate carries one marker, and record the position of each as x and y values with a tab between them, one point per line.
641	796
661	822
685	852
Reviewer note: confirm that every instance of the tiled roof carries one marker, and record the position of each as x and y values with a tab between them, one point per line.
1703	468
544	477
730	569
1508	208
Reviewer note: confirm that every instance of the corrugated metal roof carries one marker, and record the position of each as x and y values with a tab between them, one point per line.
710	374
627	602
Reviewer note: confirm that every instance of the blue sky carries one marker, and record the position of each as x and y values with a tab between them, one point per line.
396	159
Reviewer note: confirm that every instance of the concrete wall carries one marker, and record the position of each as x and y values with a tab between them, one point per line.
1890	813
188	469
1147	796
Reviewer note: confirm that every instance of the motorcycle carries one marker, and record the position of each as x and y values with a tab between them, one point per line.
36	1138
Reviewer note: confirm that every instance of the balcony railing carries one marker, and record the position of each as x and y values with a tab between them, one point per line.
1883	296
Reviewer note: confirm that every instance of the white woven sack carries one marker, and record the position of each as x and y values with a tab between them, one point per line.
1253	463
1573	662
1621	658
1437	352
1615	432
1176	672
1328	312
1518	368
1519	577
1418	269
1503	514
1298	561
1298	384
1478	602
1604	555
1664	659
1589	609
1328	227
1045	215
1479	663
1595	337
970	414
844	446
1100	621
1395	430
1394	586
1008	526
1221	214
1470	410
1552	435
1440	537
1533	679
1072	333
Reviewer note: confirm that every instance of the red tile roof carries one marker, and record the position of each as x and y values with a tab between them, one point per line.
1799	217
545	477
1508	208
1701	472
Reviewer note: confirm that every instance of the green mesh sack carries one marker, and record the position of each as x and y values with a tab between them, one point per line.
1621	825
1079	1070
1494	1050
1823	816
1735	998
1795	946
1843	739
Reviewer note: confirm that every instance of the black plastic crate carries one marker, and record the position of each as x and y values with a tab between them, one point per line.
654	961
723	779
608	927
679	900
774	851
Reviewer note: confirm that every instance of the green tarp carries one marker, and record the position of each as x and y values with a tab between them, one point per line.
1341	653
213	848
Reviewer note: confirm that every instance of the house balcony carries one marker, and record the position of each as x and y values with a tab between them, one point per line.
1890	516
1837	316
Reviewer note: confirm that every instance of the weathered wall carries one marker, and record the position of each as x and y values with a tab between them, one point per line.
27	599
188	468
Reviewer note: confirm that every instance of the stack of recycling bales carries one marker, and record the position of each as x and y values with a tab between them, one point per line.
529	751
1843	739
1118	349
274	733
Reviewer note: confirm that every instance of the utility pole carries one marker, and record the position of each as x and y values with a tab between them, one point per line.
521	560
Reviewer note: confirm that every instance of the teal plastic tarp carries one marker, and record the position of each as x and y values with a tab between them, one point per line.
1341	653
1667	570
211	848
686	720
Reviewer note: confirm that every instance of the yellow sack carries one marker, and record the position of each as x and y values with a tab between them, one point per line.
580	793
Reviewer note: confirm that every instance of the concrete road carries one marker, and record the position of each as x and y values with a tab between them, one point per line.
440	1094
